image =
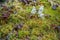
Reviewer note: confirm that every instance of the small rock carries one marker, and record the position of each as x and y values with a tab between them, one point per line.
54	7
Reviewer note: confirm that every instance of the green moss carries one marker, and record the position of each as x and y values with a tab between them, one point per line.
34	27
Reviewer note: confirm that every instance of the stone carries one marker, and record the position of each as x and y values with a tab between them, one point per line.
54	7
